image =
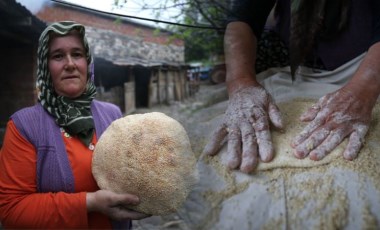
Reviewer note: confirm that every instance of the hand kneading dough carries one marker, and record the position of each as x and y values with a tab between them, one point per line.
284	153
148	155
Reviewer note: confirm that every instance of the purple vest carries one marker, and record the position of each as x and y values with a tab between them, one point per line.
54	172
352	42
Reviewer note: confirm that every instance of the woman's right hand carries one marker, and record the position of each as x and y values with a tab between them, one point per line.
114	205
246	125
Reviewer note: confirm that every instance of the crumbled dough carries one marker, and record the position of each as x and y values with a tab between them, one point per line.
284	156
305	182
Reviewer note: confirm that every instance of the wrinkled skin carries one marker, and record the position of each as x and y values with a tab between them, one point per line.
247	128
114	205
333	118
345	113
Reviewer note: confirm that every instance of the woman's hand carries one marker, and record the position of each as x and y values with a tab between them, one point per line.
246	126
114	205
344	113
333	118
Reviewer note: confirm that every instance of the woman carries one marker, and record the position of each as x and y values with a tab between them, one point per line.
45	162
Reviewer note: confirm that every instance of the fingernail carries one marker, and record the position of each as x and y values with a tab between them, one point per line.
299	154
349	156
267	157
136	200
316	155
248	165
246	169
233	164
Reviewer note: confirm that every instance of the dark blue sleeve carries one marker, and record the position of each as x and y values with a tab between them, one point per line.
376	21
252	12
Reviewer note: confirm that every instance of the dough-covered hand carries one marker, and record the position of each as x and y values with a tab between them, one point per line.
333	118
114	205
246	128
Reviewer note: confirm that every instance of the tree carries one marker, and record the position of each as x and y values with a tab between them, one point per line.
200	23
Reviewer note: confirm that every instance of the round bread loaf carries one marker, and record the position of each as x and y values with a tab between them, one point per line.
148	155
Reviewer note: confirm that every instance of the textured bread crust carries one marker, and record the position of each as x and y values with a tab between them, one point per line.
148	155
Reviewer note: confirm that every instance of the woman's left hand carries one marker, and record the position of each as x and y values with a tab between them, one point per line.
114	205
333	118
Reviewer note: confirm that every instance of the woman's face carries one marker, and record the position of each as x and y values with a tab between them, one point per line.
68	65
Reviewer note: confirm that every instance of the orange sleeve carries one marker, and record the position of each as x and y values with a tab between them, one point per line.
20	204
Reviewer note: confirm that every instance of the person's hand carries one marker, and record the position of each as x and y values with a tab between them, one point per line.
246	126
334	117
114	205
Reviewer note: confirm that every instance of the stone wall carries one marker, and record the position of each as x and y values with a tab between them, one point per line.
118	47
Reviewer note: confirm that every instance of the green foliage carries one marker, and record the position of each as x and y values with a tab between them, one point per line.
201	43
118	21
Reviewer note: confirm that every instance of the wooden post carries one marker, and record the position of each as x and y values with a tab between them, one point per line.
159	85
130	92
167	87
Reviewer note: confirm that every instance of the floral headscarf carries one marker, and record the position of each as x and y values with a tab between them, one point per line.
74	115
